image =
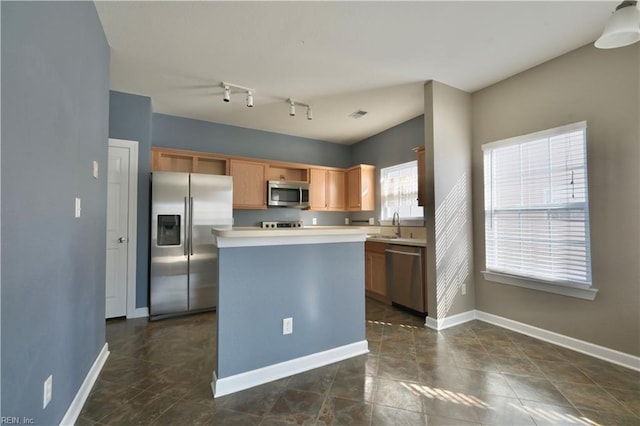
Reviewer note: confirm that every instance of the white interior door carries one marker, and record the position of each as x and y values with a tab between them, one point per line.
117	232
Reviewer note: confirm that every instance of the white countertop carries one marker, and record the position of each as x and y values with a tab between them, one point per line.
255	236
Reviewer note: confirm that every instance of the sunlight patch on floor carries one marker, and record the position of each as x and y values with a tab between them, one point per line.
446	395
554	416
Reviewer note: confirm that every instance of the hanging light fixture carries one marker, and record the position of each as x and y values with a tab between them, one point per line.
249	98
292	107
309	113
623	27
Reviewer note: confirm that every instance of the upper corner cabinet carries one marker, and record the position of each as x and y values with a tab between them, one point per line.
361	188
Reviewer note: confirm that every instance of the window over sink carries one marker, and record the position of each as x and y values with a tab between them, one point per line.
399	191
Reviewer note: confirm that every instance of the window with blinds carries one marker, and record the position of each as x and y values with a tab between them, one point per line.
399	191
536	206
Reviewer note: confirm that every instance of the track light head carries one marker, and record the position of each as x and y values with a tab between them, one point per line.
309	113
227	94
250	98
292	108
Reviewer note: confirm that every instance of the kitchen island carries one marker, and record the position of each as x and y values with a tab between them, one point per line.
315	276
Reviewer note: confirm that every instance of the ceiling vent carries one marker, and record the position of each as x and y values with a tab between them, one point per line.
358	114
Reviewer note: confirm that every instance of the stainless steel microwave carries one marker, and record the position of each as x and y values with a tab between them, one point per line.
288	194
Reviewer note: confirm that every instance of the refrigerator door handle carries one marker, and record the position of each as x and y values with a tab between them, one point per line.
184	243
191	227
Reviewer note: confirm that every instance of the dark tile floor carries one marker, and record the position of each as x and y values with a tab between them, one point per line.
159	373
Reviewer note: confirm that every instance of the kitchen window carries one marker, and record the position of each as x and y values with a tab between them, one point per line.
399	191
537	212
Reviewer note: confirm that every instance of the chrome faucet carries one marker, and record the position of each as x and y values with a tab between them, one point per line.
396	221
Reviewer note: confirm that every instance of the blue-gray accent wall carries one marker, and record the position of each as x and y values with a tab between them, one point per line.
388	148
55	105
130	118
176	132
320	286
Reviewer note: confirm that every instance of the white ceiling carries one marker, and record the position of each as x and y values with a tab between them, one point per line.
337	56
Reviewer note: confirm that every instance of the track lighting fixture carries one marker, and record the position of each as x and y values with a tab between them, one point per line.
249	98
227	92
292	108
623	27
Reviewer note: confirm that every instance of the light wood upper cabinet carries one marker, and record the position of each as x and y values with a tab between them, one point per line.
169	160
249	184
317	189
361	188
422	175
331	188
176	160
327	189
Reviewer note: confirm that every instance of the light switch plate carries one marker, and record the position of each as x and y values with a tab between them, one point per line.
78	207
314	221
346	220
287	326
95	169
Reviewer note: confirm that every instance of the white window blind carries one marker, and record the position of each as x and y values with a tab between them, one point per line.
536	206
399	187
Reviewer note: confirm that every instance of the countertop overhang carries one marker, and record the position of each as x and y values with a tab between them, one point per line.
416	242
255	237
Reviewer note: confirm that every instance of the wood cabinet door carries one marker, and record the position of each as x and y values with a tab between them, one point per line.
378	274
353	189
249	184
317	189
361	188
335	196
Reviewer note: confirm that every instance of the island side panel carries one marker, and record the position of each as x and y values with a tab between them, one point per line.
320	286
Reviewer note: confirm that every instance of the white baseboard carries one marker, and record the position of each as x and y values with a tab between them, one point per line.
74	409
587	348
452	321
139	313
591	349
249	379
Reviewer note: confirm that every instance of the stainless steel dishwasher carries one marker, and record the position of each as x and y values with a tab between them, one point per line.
404	277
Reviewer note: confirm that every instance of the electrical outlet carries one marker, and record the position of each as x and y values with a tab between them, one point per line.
346	220
78	207
48	391
463	289
287	326
371	221
314	221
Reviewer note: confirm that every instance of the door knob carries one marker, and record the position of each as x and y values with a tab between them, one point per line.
122	239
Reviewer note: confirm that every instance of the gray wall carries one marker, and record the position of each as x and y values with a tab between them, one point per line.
324	285
448	209
388	148
601	87
184	133
130	118
55	104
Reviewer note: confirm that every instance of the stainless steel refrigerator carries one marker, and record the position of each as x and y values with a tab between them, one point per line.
184	208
